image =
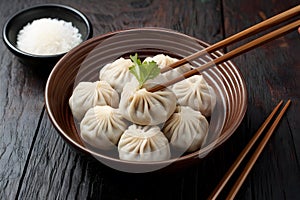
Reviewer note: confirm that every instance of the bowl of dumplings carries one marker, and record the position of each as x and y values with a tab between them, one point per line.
111	97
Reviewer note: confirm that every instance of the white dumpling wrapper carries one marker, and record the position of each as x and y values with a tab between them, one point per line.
164	60
186	129
196	93
146	108
89	94
117	73
102	127
144	143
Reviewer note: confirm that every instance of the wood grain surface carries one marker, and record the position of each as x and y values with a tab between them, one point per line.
35	162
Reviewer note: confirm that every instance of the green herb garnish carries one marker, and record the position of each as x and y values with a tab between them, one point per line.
143	71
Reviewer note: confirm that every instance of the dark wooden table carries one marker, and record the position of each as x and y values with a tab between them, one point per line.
35	162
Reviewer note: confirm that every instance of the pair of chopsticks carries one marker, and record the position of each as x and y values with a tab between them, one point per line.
246	150
271	22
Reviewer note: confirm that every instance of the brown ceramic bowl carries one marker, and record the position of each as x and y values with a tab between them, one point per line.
84	62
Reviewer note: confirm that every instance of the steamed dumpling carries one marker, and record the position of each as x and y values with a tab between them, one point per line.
117	73
164	60
89	94
196	93
146	143
186	129
146	108
102	127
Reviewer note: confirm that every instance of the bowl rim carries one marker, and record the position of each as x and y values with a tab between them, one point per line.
205	150
12	47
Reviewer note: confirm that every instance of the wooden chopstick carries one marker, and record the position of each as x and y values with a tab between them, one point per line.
275	20
256	154
235	52
243	154
245	151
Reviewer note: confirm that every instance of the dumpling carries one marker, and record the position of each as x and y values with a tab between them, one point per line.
196	93
164	61
186	129
143	143
102	127
146	108
117	73
89	94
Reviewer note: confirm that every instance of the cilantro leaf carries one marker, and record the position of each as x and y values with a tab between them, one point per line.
143	71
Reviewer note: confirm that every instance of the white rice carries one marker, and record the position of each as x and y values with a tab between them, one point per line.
48	36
